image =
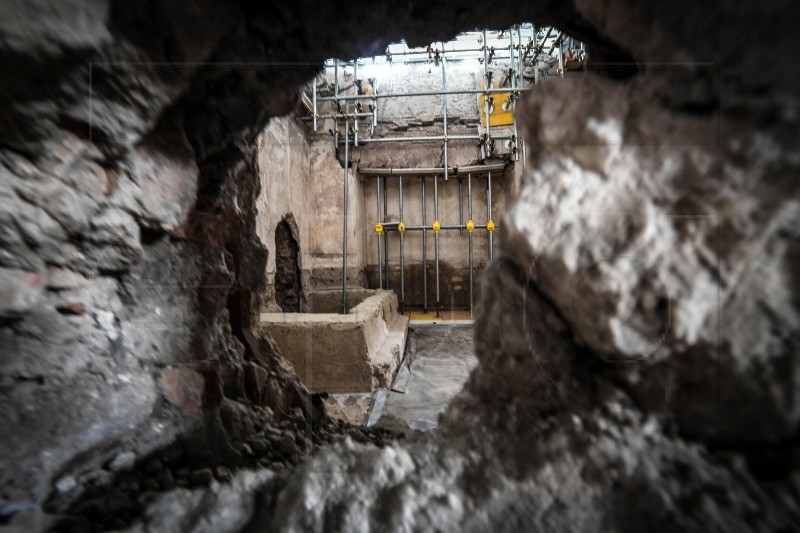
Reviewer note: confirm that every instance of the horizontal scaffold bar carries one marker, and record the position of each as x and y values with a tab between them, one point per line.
392	226
423	93
428	171
429	138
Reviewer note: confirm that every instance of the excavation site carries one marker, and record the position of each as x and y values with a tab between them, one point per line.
384	266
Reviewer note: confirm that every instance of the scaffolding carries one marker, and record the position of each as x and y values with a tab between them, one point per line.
519	54
384	226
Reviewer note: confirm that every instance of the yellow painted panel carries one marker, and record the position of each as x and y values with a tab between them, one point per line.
498	116
446	316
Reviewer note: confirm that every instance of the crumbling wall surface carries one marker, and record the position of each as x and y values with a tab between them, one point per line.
129	259
670	255
129	262
283	166
638	334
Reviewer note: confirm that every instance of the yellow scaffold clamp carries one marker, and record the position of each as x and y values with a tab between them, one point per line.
470	226
378	228
436	226
490	226
401	227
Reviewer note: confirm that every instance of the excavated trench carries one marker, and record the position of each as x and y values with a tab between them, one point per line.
637	334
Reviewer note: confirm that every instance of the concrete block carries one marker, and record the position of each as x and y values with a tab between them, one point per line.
354	352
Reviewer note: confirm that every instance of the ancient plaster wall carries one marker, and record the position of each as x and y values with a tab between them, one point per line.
326	196
301	174
284	172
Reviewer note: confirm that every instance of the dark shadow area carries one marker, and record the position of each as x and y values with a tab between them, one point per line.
288	288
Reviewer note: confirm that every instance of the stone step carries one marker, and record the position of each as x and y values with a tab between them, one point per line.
390	354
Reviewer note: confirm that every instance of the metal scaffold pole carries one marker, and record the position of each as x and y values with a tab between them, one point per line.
460	204
427	138
424	251
444	115
402	236
515	140
392	226
356	104
436	235
489	212
429	171
336	101
469	194
344	217
488	87
386	239
379	219
314	100
450	92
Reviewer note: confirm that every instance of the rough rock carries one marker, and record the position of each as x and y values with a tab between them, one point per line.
183	388
73	308
145	185
123	461
650	256
60	279
19	291
201	477
229	506
638	332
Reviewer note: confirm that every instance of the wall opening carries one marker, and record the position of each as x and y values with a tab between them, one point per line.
288	284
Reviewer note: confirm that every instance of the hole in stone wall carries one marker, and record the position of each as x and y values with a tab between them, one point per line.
288	286
114	133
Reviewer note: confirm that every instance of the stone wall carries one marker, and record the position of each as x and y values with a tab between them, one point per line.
129	259
130	265
326	196
301	174
638	332
283	166
453	245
